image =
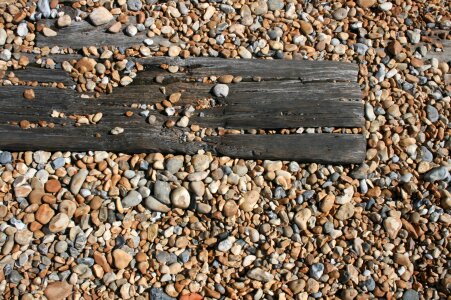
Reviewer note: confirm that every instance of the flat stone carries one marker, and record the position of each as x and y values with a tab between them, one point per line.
200	162
173	165
59	223
49	32
410	295
230	208
132	199
180	198
23	237
316	270
366	3
44	8
392	226
121	259
64	21
44	214
52	186
100	16
340	14
301	218
78	180
275	4
260	275
432	113
134	5
437	174
249	200
131	30
162	191
226	245
58	290
115	28
174	51
5	157
22	29
154	205
346	197
244	53
346	211
159	294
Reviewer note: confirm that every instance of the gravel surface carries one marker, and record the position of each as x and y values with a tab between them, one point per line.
107	225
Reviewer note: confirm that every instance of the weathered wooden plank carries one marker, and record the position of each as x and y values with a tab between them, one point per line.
272	95
322	148
199	67
286	106
284	115
84	34
43	75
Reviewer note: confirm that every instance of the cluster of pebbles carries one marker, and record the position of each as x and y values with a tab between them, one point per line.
106	225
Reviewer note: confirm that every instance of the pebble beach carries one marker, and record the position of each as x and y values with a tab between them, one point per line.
102	225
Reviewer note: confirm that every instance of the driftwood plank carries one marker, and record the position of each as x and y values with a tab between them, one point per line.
323	148
245	108
84	34
42	75
272	95
199	67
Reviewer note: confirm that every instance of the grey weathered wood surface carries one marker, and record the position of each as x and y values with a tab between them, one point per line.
41	75
84	34
291	94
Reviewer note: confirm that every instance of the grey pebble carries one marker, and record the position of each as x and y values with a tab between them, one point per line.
5	157
132	199
436	174
134	5
221	90
44	8
432	113
275	4
161	191
316	270
58	163
410	295
158	294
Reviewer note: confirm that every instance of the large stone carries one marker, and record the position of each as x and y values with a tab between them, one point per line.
200	162
180	198
58	290
161	191
346	211
249	200
100	16
121	258
59	223
78	180
437	174
44	214
132	199
392	226
260	275
154	205
23	237
301	218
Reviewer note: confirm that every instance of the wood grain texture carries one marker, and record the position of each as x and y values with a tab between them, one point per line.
290	94
84	34
199	67
42	75
321	148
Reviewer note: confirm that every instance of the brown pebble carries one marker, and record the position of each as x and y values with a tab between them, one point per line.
29	94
